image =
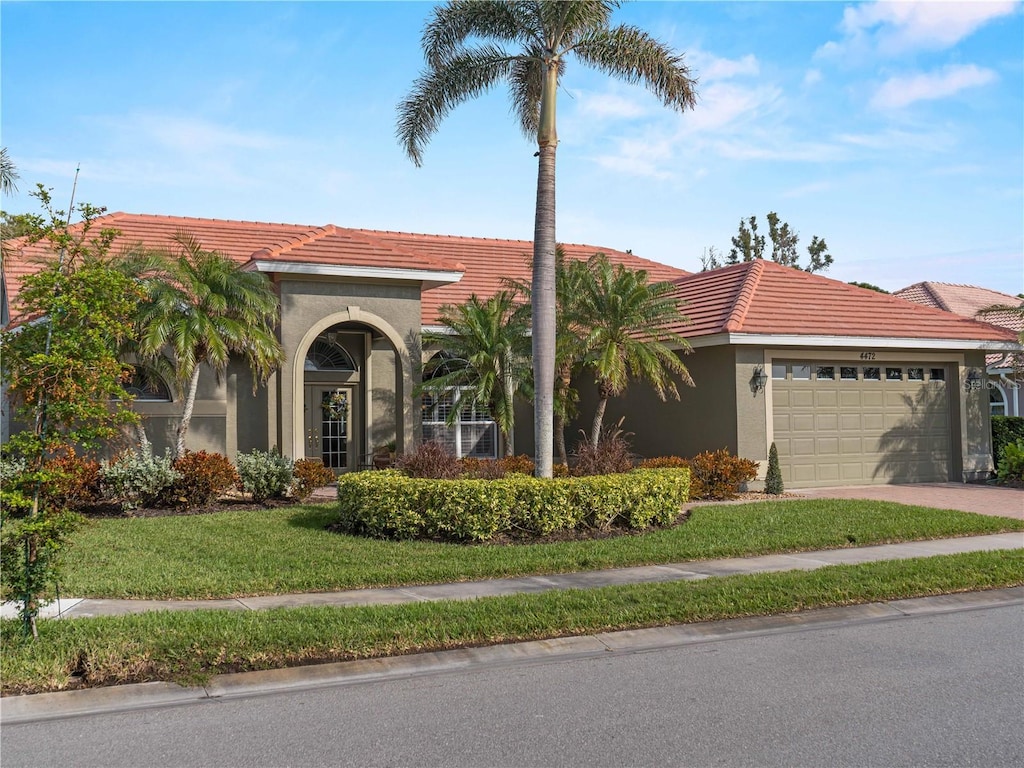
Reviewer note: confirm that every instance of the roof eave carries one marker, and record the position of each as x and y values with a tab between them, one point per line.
429	277
847	342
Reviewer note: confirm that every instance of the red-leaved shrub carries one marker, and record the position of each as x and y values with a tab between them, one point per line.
308	475
202	478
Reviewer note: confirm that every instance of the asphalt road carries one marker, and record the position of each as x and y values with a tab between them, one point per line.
937	690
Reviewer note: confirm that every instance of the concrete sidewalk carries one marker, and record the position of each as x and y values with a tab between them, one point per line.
468	590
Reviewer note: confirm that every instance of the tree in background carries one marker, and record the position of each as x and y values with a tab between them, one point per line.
868	286
486	360
748	245
200	308
625	320
8	173
472	46
63	374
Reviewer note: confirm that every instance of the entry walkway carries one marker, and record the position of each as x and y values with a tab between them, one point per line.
468	590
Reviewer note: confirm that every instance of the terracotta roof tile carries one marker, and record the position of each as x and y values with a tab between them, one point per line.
762	297
965	300
488	261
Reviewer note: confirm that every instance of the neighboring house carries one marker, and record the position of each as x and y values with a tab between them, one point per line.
1004	368
853	386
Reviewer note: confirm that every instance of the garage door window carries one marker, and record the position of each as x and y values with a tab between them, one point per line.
778	370
915	374
938	374
826	373
848	373
801	372
872	374
894	374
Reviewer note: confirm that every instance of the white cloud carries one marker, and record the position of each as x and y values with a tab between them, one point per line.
900	140
725	104
608	106
709	68
900	92
640	157
894	28
812	77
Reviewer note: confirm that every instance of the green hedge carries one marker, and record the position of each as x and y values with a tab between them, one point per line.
1005	430
388	504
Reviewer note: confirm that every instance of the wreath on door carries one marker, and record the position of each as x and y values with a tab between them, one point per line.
335	406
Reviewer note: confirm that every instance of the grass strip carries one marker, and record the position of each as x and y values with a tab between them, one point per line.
237	554
188	647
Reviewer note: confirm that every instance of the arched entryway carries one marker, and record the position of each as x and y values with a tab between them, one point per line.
350	390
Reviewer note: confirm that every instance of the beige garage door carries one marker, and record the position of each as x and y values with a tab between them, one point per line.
856	424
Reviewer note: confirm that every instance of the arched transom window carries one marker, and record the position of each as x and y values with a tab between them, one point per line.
327	354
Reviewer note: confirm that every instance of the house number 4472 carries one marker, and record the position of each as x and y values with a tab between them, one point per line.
867	355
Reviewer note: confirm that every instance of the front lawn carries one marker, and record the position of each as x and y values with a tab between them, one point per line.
235	554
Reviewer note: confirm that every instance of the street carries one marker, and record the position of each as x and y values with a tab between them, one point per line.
937	690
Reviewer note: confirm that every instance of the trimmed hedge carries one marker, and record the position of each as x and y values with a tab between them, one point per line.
1006	430
388	504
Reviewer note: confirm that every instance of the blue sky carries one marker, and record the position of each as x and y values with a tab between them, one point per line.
893	130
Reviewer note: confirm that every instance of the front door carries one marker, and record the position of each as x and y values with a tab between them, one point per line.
329	426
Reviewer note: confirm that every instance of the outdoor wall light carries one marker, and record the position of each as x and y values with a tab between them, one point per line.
759	380
973	381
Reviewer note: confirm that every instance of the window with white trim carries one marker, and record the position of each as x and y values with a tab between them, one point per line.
474	433
996	400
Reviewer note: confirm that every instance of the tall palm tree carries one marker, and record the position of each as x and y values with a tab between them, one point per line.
486	356
628	338
471	46
8	173
201	308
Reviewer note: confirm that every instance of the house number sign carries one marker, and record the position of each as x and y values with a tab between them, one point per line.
867	355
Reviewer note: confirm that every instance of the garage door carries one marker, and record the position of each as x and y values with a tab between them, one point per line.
855	424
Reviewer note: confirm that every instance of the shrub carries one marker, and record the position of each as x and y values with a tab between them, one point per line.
718	475
773	477
517	465
389	504
1011	466
264	474
664	462
429	460
72	481
202	477
136	480
482	469
1005	431
309	474
609	455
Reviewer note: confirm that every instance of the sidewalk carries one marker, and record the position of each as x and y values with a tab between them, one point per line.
468	590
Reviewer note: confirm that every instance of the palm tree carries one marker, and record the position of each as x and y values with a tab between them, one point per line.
8	173
201	308
472	46
486	356
628	338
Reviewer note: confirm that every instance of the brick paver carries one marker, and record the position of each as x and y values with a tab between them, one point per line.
965	497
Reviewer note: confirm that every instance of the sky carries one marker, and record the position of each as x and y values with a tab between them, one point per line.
893	130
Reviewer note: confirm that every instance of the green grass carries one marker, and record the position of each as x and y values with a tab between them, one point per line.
235	554
190	646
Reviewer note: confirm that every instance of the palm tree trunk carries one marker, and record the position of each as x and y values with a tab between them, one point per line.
186	415
563	457
543	289
595	431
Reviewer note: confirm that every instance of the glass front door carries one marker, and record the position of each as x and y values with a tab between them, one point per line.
329	426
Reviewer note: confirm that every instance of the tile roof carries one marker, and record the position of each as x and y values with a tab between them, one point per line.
762	297
483	262
965	300
488	261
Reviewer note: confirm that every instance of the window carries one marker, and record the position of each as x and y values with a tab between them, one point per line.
872	374
147	387
915	374
474	432
848	373
801	371
938	374
778	370
996	400
826	372
894	374
327	354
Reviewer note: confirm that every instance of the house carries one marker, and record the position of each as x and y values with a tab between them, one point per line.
853	386
1003	368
